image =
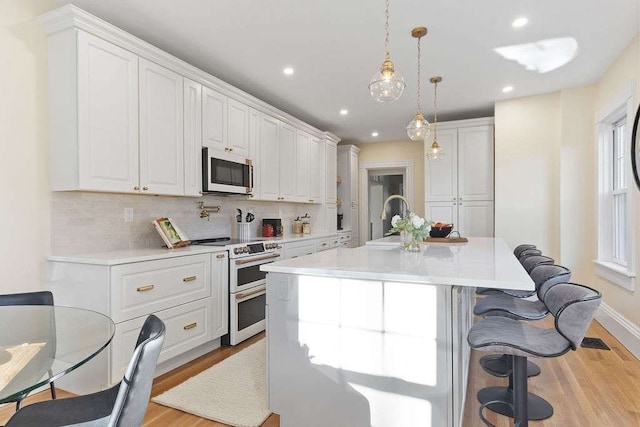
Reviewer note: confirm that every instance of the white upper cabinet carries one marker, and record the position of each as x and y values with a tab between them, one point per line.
94	116
331	159
301	164
238	127
161	130
214	119
127	117
269	158
288	169
466	170
316	170
225	123
475	163
192	138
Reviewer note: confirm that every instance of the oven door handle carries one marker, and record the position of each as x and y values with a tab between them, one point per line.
247	261
262	289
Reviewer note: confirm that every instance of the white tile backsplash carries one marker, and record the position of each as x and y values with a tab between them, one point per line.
94	222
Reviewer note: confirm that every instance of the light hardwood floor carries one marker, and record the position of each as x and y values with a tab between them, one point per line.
586	387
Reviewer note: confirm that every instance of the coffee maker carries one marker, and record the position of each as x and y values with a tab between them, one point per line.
340	216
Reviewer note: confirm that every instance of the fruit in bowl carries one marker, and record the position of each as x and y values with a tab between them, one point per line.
440	229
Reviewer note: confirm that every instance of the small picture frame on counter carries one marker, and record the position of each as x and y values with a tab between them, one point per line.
172	236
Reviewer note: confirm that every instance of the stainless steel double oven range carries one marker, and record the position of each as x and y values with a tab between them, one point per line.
247	285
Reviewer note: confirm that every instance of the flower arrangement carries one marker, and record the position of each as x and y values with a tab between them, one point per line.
414	226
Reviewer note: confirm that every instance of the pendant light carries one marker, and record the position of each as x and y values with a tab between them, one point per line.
387	85
435	151
418	128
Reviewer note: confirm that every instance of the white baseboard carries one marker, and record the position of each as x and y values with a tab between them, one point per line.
620	327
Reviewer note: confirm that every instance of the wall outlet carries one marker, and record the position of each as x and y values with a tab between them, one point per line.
128	214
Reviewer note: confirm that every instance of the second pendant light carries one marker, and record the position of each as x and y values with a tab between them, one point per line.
418	128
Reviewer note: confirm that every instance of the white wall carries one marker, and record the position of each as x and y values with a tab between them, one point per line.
527	139
552	137
24	187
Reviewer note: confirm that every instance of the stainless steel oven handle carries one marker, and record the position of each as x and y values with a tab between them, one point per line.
248	294
247	261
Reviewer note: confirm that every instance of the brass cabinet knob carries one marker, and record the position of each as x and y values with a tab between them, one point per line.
145	188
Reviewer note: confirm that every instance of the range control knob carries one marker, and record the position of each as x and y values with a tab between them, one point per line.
236	251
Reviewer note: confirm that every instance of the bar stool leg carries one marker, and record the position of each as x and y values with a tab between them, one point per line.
520	396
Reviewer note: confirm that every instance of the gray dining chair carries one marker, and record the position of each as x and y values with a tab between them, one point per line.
123	405
44	332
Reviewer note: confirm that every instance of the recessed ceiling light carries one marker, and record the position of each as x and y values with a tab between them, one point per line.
288	71
344	112
374	134
507	89
519	22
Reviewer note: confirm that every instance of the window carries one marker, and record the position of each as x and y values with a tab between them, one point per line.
616	225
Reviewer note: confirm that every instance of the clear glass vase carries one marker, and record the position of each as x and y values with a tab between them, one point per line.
410	242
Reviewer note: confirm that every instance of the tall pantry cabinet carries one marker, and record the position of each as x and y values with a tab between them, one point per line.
459	186
347	191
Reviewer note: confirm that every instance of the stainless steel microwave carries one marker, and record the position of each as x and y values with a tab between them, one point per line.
226	173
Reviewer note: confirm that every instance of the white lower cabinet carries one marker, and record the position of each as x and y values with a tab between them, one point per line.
297	249
188	326
189	293
470	218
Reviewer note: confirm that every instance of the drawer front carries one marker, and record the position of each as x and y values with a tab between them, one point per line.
188	326
324	244
146	287
345	237
294	252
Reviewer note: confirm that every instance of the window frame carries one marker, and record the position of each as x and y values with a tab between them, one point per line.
607	266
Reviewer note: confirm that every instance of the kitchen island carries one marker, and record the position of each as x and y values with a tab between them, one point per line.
375	335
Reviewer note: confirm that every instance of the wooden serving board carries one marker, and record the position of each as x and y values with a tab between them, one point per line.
446	239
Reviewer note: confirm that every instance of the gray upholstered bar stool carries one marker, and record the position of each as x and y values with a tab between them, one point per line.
520	248
544	277
573	306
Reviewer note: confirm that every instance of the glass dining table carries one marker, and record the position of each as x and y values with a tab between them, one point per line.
39	344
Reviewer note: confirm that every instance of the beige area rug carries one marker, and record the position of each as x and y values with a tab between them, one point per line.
231	392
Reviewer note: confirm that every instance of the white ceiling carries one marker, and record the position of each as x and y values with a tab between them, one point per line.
336	46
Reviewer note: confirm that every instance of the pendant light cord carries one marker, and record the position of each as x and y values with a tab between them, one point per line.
386	28
418	97
435	112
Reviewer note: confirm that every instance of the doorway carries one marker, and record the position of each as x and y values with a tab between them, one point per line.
382	184
379	180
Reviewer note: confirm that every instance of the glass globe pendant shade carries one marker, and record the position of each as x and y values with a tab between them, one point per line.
387	85
435	152
418	128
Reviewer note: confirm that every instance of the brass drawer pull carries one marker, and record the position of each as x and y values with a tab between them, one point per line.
220	256
145	288
190	326
189	279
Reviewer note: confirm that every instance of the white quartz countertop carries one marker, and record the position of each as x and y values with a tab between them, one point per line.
126	256
481	262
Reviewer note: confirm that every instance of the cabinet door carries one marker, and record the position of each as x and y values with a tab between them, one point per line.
476	218
302	165
316	171
354	226
331	219
254	151
192	138
238	127
220	293
214	119
475	163
107	117
269	158
288	168
353	177
331	159
441	182
161	130
446	212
